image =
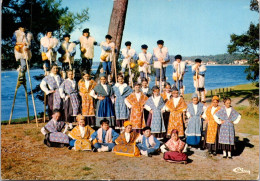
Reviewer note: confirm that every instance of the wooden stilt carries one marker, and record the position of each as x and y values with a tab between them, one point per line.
17	86
34	108
44	112
161	79
27	104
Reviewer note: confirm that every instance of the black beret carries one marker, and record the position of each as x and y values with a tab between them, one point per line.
146	128
128	43
198	60
48	30
160	42
66	35
174	88
108	37
144	46
86	30
178	57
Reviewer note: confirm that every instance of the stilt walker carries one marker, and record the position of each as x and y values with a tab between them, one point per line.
22	41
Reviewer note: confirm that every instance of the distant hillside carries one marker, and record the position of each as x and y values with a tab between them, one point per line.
220	58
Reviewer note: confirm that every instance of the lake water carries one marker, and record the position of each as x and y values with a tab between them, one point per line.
216	77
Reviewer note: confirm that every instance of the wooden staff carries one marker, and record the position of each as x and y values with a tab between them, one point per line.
197	82
130	75
16	88
34	108
44	112
161	78
26	97
114	62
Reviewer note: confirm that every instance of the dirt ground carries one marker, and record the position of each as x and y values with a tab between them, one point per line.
24	156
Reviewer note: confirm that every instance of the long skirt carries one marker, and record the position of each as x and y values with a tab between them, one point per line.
149	123
90	120
226	147
105	110
68	111
166	116
175	156
211	147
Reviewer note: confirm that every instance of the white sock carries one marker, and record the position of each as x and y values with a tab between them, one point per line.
229	153
224	153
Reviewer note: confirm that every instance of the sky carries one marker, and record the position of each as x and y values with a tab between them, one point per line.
188	27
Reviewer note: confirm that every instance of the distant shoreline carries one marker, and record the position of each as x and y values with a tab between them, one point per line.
98	64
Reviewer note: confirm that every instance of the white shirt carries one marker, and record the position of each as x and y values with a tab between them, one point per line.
121	87
127	137
145	90
168	95
156	102
92	92
43	84
73	84
195	107
87	83
105	87
213	109
82	131
138	95
176	101
228	110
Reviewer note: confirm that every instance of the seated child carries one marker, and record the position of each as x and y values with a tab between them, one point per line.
104	138
81	135
173	149
52	131
148	144
126	142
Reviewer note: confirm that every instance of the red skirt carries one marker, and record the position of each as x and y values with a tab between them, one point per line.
175	156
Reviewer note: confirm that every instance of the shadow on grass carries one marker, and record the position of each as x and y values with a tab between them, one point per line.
240	146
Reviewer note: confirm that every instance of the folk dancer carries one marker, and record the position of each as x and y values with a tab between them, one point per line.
179	69
81	135
227	117
136	102
22	41
121	92
49	48
67	50
212	127
69	93
54	137
86	87
50	86
87	44
107	55
161	58
199	72
145	59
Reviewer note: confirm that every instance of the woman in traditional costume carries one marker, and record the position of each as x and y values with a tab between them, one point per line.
166	95
176	106
86	86
104	107
81	135
212	128
121	91
50	86
69	92
194	128
155	120
126	142
54	137
136	102
173	149
227	116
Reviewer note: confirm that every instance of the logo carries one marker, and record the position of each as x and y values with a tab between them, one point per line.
241	170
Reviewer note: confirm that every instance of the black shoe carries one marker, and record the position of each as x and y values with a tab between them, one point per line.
224	156
70	147
214	153
94	150
149	155
230	157
61	145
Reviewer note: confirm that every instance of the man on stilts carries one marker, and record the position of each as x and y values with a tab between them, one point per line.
22	41
161	58
87	43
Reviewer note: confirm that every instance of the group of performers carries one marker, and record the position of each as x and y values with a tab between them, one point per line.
127	119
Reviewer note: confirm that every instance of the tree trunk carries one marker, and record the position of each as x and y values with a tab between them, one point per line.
117	24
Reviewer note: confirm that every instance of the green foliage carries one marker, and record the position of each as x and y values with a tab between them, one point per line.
37	16
248	44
